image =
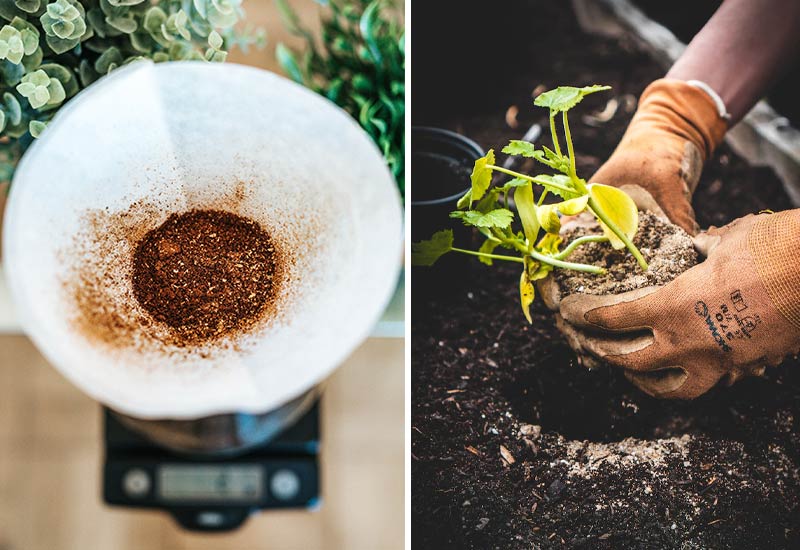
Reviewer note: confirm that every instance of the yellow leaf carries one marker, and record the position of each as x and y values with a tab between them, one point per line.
539	271
573	206
548	217
526	208
549	244
481	176
526	293
620	210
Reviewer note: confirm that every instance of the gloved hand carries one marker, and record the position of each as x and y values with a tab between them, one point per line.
730	316
674	131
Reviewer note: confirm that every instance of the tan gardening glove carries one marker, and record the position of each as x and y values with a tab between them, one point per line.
730	316
674	131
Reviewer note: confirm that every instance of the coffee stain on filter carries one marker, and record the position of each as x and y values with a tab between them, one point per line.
99	274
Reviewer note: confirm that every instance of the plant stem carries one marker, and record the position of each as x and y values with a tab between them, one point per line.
618	232
566	265
580	185
492	256
578	242
529	178
553	133
542	197
570	150
538	256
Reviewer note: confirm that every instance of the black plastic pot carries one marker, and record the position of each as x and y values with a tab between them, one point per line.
441	164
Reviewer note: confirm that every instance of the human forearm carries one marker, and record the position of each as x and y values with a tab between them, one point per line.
742	50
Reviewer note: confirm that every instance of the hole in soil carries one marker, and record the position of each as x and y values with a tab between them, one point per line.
602	406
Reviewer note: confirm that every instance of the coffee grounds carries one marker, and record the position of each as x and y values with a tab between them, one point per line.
206	274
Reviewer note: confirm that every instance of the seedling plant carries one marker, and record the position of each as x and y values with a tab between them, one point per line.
537	244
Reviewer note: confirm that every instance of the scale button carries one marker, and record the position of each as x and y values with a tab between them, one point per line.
285	484
136	483
210	519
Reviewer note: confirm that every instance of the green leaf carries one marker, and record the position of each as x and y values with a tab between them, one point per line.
110	59
516	182
488	202
526	207
61	45
558	184
481	176
565	98
12	109
11	44
123	24
619	208
37	127
499	217
28	6
215	40
465	200
487	247
427	252
519	147
289	64
550	154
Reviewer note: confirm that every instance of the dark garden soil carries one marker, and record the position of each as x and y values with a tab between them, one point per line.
516	446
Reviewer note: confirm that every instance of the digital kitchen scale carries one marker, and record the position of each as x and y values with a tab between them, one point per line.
213	493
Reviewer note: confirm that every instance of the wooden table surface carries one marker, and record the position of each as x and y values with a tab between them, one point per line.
50	446
51	457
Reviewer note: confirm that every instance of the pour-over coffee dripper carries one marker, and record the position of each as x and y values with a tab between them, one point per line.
177	136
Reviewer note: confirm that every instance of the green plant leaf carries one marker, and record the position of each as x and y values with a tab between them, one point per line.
111	59
11	44
558	184
620	210
215	40
487	247
488	202
465	200
521	148
37	127
28	6
516	182
565	98
481	177
12	109
499	217
427	252
288	62
526	207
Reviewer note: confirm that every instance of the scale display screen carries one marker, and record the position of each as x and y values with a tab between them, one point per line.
210	483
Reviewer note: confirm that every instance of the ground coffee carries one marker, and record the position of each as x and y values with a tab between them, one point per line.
206	274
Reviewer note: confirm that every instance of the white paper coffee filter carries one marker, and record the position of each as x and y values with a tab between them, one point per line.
177	136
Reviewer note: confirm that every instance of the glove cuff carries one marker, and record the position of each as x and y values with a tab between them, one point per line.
683	109
771	242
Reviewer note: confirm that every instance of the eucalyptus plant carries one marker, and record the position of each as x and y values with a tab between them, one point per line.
50	51
538	242
359	64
